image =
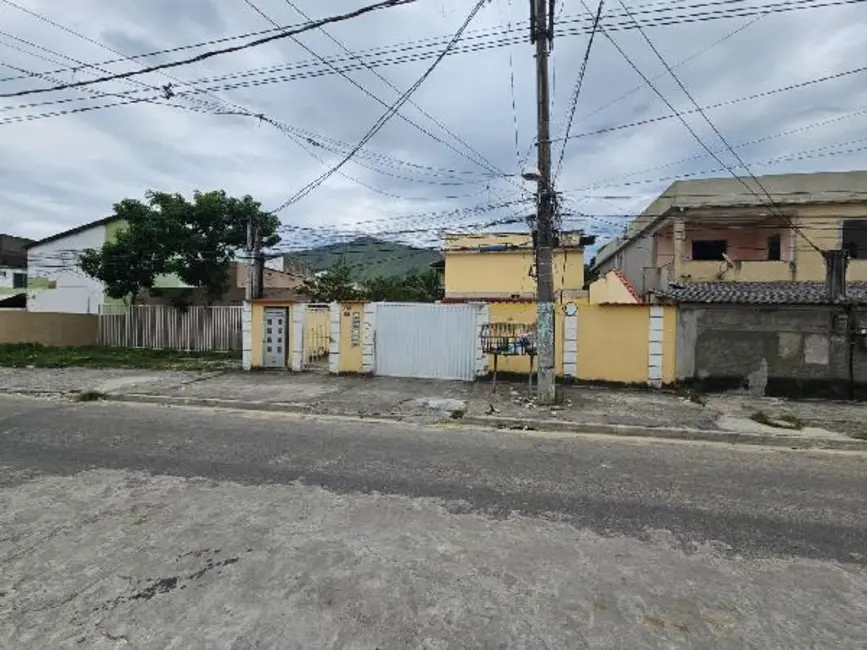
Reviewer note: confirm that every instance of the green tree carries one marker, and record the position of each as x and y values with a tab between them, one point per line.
167	234
332	285
415	286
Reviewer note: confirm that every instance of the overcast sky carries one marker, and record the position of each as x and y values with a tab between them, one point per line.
66	170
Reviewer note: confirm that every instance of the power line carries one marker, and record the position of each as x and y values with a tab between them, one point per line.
309	70
207	55
579	82
485	163
711	124
386	116
655	8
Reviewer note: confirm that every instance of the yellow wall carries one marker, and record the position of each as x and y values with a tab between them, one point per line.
612	343
823	226
610	289
669	345
351	342
506	274
258	333
525	312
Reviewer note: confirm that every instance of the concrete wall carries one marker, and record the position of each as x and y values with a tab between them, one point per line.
7	280
48	328
770	350
632	260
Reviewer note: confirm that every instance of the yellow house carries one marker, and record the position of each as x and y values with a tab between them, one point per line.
740	230
492	267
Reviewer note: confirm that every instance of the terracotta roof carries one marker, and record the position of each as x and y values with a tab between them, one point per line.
629	286
760	293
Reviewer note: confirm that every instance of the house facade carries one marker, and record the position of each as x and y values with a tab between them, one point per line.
492	267
13	265
56	283
717	230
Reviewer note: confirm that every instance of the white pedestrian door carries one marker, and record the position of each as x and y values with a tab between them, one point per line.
274	352
426	341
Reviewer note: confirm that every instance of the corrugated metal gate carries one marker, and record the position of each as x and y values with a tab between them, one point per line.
426	341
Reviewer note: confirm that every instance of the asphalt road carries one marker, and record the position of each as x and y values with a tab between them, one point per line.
143	526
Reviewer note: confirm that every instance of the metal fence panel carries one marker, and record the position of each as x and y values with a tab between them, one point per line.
426	341
161	327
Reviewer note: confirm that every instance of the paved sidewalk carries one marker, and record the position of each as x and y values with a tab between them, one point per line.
725	418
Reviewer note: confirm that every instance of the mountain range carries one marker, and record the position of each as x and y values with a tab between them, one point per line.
367	257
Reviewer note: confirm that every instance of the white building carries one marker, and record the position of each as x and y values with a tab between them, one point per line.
55	281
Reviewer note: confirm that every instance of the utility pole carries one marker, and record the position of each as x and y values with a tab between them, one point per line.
254	255
542	34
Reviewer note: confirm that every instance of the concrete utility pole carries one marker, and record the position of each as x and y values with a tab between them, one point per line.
254	254
542	34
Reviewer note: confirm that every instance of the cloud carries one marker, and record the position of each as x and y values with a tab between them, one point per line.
62	171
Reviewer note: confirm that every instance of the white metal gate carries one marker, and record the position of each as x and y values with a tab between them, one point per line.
426	341
274	352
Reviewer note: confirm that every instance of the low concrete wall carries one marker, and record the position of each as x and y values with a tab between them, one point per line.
48	328
792	351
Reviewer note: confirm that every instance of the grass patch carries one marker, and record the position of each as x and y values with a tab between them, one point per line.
458	414
859	436
779	421
33	355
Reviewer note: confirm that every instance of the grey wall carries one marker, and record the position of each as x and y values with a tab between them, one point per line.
632	260
773	350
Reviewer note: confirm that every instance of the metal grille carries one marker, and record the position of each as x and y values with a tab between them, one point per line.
426	341
159	327
317	335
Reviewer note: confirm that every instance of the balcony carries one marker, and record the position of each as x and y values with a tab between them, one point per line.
739	271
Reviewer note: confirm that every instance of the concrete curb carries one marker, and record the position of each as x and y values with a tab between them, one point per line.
494	422
666	433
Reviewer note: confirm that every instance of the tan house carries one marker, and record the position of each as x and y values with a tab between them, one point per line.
718	230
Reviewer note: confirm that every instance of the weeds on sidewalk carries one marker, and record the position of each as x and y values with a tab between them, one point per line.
89	396
780	421
32	355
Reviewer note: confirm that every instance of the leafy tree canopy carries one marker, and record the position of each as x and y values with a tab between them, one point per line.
336	285
168	234
332	285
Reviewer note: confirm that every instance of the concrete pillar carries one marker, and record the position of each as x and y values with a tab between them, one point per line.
483	318
297	316
368	339
679	248
247	336
570	345
334	328
654	346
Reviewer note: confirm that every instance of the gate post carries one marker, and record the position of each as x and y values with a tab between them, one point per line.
570	342
654	346
483	318
247	336
297	314
335	310
368	340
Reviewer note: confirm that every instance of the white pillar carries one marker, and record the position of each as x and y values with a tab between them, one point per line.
368	339
334	334
654	347
570	345
297	314
247	336
483	318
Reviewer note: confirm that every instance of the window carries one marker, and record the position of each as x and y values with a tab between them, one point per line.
19	280
855	238
774	247
709	249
